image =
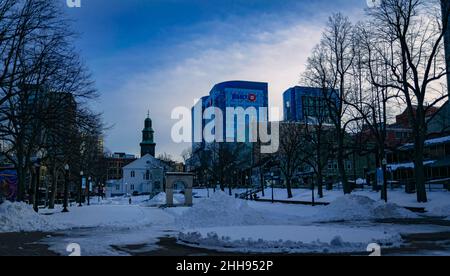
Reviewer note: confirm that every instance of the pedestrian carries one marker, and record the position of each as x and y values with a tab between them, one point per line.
129	200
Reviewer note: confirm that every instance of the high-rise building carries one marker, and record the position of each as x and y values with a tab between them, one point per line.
197	138
233	94
148	145
308	104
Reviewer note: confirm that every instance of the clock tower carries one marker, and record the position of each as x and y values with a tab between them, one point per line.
148	145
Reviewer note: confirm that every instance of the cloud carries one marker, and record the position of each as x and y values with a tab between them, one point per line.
276	57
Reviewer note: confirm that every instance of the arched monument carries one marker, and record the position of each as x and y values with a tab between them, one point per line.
187	179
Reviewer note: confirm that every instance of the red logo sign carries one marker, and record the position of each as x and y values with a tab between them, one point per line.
252	98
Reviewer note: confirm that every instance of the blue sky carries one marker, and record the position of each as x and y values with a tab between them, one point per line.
158	54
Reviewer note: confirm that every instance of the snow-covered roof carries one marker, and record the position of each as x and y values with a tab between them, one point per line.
394	167
429	142
147	161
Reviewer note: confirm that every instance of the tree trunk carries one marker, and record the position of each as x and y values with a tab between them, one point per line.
289	186
419	168
341	165
32	195
329	184
261	179
319	183
384	189
378	165
222	185
21	184
319	167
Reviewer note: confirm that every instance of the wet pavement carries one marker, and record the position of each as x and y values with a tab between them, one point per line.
24	244
164	243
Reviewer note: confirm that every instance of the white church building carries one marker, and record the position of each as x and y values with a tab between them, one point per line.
143	176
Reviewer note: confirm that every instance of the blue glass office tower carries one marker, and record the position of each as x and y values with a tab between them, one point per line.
204	102
236	94
305	103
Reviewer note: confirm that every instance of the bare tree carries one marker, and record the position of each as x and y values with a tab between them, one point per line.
290	152
330	67
37	62
318	146
371	103
414	30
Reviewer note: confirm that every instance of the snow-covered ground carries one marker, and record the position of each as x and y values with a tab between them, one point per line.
289	239
223	222
436	199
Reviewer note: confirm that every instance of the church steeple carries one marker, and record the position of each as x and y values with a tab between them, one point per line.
148	145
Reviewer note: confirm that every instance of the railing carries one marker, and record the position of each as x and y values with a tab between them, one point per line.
249	193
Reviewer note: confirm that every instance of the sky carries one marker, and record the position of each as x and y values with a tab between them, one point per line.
160	54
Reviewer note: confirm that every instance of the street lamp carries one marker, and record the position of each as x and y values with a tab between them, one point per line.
271	179
37	171
384	164
66	188
312	190
80	189
89	191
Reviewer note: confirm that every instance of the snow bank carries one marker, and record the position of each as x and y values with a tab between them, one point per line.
441	211
361	181
355	207
20	217
220	210
160	199
284	239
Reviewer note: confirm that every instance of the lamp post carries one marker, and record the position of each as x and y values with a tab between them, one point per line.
271	179
89	191
312	192
384	164
66	188
37	171
80	189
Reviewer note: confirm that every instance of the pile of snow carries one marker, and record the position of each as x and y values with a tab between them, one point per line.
355	207
284	239
220	210
20	217
441	211
160	199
